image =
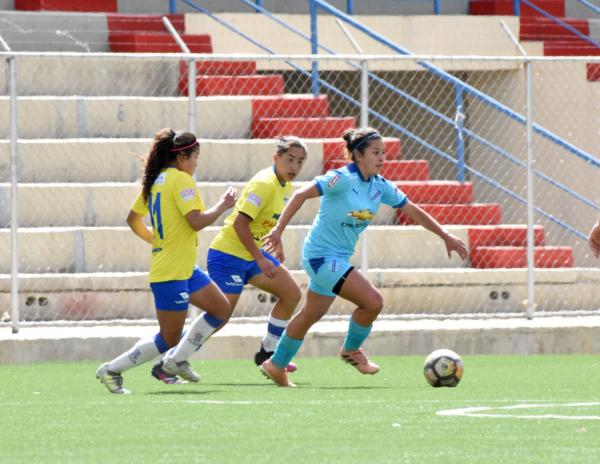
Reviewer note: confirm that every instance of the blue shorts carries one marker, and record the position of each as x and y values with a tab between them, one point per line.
231	273
326	273
174	295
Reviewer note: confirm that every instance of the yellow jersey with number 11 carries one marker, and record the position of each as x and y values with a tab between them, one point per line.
175	243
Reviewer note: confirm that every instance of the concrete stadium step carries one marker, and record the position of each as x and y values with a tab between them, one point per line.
148	42
259	84
506	7
288	106
503	235
263	128
75	117
117	249
410	293
542	28
121	160
470	214
441	192
100	204
335	149
393	170
574	47
485	257
35	31
68	5
219	68
143	22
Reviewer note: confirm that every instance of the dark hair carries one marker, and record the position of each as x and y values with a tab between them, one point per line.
288	141
167	145
359	139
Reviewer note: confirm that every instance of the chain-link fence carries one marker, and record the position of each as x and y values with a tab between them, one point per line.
456	143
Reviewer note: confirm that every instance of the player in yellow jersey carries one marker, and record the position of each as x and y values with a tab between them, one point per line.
235	256
177	213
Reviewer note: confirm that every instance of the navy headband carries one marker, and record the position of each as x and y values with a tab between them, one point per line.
370	136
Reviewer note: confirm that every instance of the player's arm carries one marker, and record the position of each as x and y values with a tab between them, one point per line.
241	225
296	201
594	239
427	221
200	219
135	222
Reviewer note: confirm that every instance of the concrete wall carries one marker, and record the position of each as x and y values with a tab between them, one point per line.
478	35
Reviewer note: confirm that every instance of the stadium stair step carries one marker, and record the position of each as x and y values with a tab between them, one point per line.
593	72
335	149
463	214
392	169
573	47
437	192
148	42
494	257
87	6
536	28
290	106
503	235
506	7
262	84
324	127
143	23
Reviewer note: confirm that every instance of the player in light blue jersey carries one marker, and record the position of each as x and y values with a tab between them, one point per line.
350	198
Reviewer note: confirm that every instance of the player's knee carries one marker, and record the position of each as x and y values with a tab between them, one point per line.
293	297
375	302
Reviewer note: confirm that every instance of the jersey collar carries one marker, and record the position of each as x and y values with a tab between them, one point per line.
352	167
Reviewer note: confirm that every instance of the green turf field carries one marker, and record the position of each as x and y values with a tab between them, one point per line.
61	413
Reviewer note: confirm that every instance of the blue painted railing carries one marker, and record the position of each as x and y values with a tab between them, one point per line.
591	6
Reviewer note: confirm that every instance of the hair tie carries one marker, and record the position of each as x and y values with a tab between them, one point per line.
185	147
355	144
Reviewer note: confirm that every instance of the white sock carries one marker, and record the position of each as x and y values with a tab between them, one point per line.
202	327
275	328
143	351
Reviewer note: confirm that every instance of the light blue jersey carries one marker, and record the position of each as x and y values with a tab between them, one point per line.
348	204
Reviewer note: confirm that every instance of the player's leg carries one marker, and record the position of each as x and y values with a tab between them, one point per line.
205	295
356	288
286	290
314	308
171	313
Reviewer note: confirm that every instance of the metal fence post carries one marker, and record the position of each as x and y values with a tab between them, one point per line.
314	47
530	194
172	6
14	182
437	6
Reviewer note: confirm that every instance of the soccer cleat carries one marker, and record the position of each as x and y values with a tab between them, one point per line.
359	360
112	380
276	374
181	369
166	377
262	355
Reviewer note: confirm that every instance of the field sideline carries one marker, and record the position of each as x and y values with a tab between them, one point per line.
507	409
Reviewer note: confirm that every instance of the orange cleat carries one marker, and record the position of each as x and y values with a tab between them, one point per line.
359	360
276	374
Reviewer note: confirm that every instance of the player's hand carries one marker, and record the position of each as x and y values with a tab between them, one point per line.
454	243
273	241
229	198
278	253
594	246
267	267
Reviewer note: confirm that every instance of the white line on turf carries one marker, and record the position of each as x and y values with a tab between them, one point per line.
483	411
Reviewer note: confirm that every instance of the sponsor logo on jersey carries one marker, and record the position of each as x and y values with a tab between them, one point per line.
333	181
187	194
254	199
161	178
362	215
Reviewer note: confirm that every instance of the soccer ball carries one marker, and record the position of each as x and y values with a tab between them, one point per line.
443	368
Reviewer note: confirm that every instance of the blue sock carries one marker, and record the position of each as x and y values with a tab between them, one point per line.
286	350
160	343
356	335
